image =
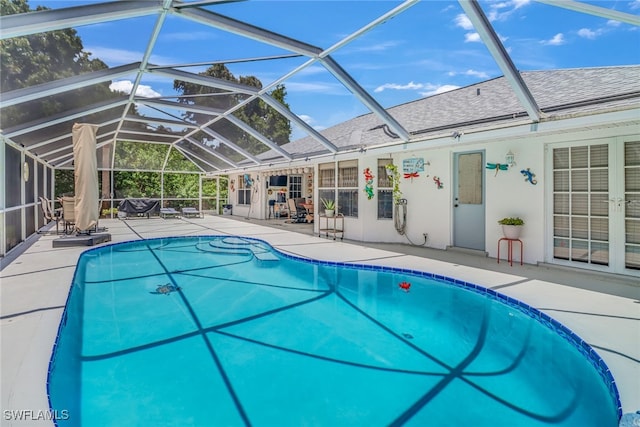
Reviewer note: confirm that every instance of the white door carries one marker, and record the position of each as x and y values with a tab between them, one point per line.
468	201
596	205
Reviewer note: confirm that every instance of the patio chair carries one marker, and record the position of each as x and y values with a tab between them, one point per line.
69	214
48	214
189	212
169	212
296	212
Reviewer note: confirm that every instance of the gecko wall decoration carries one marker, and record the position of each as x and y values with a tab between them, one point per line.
529	176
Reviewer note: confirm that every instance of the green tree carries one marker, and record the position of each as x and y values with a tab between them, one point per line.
44	57
65	182
178	162
181	185
256	114
136	184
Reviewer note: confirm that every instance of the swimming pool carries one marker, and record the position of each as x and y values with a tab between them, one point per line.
218	331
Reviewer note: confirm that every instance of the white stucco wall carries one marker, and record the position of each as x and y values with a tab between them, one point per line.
509	195
430	210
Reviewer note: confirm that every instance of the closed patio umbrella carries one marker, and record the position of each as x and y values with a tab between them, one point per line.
86	176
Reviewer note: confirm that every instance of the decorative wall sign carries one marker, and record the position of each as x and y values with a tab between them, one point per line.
368	188
248	182
498	167
233	185
529	176
412	166
439	184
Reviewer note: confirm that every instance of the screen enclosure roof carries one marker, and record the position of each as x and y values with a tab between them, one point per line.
329	57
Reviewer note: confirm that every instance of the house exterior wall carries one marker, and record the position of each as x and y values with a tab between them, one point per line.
507	193
430	210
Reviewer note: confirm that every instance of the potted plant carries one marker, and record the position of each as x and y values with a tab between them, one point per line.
511	227
329	207
110	213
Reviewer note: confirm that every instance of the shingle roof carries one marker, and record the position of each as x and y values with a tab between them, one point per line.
557	92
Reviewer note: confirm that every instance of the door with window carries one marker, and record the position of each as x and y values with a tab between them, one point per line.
596	206
468	201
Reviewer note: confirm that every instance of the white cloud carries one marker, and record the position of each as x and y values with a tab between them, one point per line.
463	22
395	86
434	90
517	4
125	86
114	56
472	73
311	70
587	33
472	38
502	11
425	89
557	40
378	47
307	119
187	36
635	4
316	87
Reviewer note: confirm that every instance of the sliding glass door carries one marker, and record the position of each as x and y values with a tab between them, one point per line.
596	205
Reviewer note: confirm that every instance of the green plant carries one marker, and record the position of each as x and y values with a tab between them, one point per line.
111	211
328	204
511	221
392	171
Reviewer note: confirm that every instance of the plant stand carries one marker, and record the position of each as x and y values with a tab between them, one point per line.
510	249
331	226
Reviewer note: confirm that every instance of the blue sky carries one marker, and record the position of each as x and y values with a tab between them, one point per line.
427	49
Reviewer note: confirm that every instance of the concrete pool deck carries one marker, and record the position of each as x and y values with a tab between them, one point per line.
602	309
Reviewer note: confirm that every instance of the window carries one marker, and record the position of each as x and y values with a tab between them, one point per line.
244	192
295	186
385	190
326	181
348	188
327	175
345	174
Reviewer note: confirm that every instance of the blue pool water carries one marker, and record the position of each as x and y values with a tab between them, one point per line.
226	331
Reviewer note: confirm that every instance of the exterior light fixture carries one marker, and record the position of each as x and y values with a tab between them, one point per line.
510	159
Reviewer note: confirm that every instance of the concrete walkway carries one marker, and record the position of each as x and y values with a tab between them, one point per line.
602	309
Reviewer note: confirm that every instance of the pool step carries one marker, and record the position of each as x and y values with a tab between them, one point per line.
265	256
242	245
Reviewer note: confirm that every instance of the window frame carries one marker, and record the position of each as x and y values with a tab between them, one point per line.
338	181
385	191
244	193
